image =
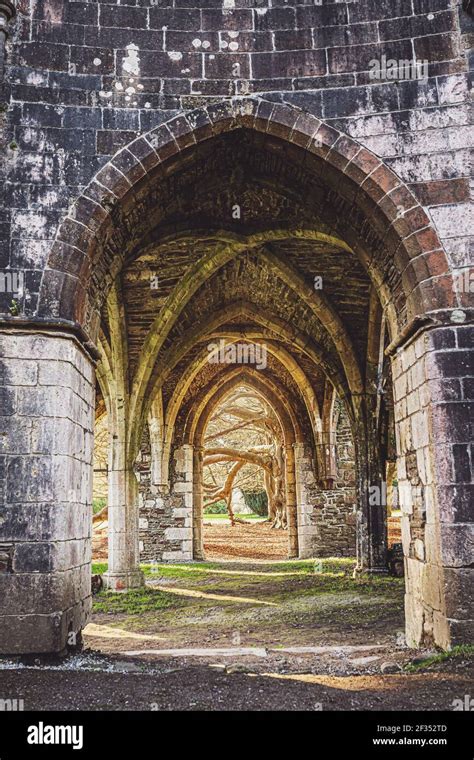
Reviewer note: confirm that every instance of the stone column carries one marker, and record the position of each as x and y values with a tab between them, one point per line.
47	398
434	422
304	480
182	506
123	511
166	509
291	501
371	492
198	503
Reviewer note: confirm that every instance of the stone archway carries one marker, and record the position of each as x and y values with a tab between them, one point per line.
291	434
364	205
73	276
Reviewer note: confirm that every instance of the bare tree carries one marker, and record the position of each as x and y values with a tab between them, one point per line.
243	448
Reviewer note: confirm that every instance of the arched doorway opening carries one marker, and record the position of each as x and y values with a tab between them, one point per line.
245	495
257	219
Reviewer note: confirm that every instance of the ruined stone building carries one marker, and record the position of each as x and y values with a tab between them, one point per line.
293	175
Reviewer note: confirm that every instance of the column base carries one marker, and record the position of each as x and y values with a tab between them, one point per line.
54	633
305	552
124	581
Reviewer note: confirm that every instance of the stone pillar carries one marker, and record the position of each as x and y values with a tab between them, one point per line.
198	503
304	481
433	388
371	492
182	507
165	461
47	386
166	509
291	501
123	508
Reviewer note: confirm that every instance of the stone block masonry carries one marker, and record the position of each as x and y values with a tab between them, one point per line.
46	417
166	510
119	117
84	78
327	519
433	385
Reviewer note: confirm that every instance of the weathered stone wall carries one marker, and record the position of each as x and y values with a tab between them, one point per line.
165	517
84	78
327	516
435	433
46	432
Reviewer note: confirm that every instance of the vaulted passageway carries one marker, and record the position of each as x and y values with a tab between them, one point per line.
255	225
244	262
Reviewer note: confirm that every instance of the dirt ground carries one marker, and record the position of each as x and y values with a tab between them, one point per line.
254	540
249	541
111	684
300	635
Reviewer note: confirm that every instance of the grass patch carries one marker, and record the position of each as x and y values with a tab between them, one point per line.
134	602
279	582
197	570
241	573
462	651
98	504
99	568
340	583
310	595
315	566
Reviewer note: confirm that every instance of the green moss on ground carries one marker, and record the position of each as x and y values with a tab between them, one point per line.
135	602
461	652
269	602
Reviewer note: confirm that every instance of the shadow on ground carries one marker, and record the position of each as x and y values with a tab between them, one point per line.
301	635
